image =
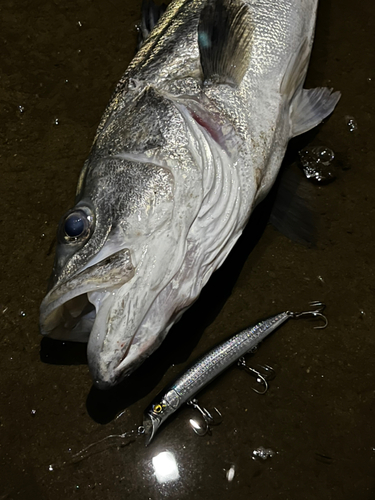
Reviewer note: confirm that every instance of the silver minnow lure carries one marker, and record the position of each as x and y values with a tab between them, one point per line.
212	364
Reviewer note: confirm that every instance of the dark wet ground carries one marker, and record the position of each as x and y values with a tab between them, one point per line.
59	64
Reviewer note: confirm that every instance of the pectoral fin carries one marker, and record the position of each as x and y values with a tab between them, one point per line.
224	38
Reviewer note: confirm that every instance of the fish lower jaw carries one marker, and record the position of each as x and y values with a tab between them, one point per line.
107	371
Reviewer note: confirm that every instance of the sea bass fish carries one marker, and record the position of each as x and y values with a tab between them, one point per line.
191	141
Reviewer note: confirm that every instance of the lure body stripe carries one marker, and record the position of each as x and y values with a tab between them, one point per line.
221	357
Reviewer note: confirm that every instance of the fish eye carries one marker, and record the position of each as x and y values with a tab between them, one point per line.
77	225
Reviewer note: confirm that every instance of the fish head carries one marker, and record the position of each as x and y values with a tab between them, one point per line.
114	255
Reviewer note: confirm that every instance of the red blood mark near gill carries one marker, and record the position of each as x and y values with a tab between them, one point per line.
213	133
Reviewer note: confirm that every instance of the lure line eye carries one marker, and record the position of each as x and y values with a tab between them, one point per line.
158	408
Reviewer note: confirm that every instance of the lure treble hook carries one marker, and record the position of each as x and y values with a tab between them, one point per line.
315	313
209	420
269	374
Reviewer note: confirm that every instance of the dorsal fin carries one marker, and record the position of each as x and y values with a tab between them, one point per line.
224	39
151	13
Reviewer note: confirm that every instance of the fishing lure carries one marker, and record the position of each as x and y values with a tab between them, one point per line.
214	362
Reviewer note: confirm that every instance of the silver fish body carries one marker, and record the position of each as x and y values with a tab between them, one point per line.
184	152
208	367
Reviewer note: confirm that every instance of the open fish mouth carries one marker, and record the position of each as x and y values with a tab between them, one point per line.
69	310
121	311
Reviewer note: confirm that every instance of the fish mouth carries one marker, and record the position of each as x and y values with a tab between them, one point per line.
113	307
70	309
